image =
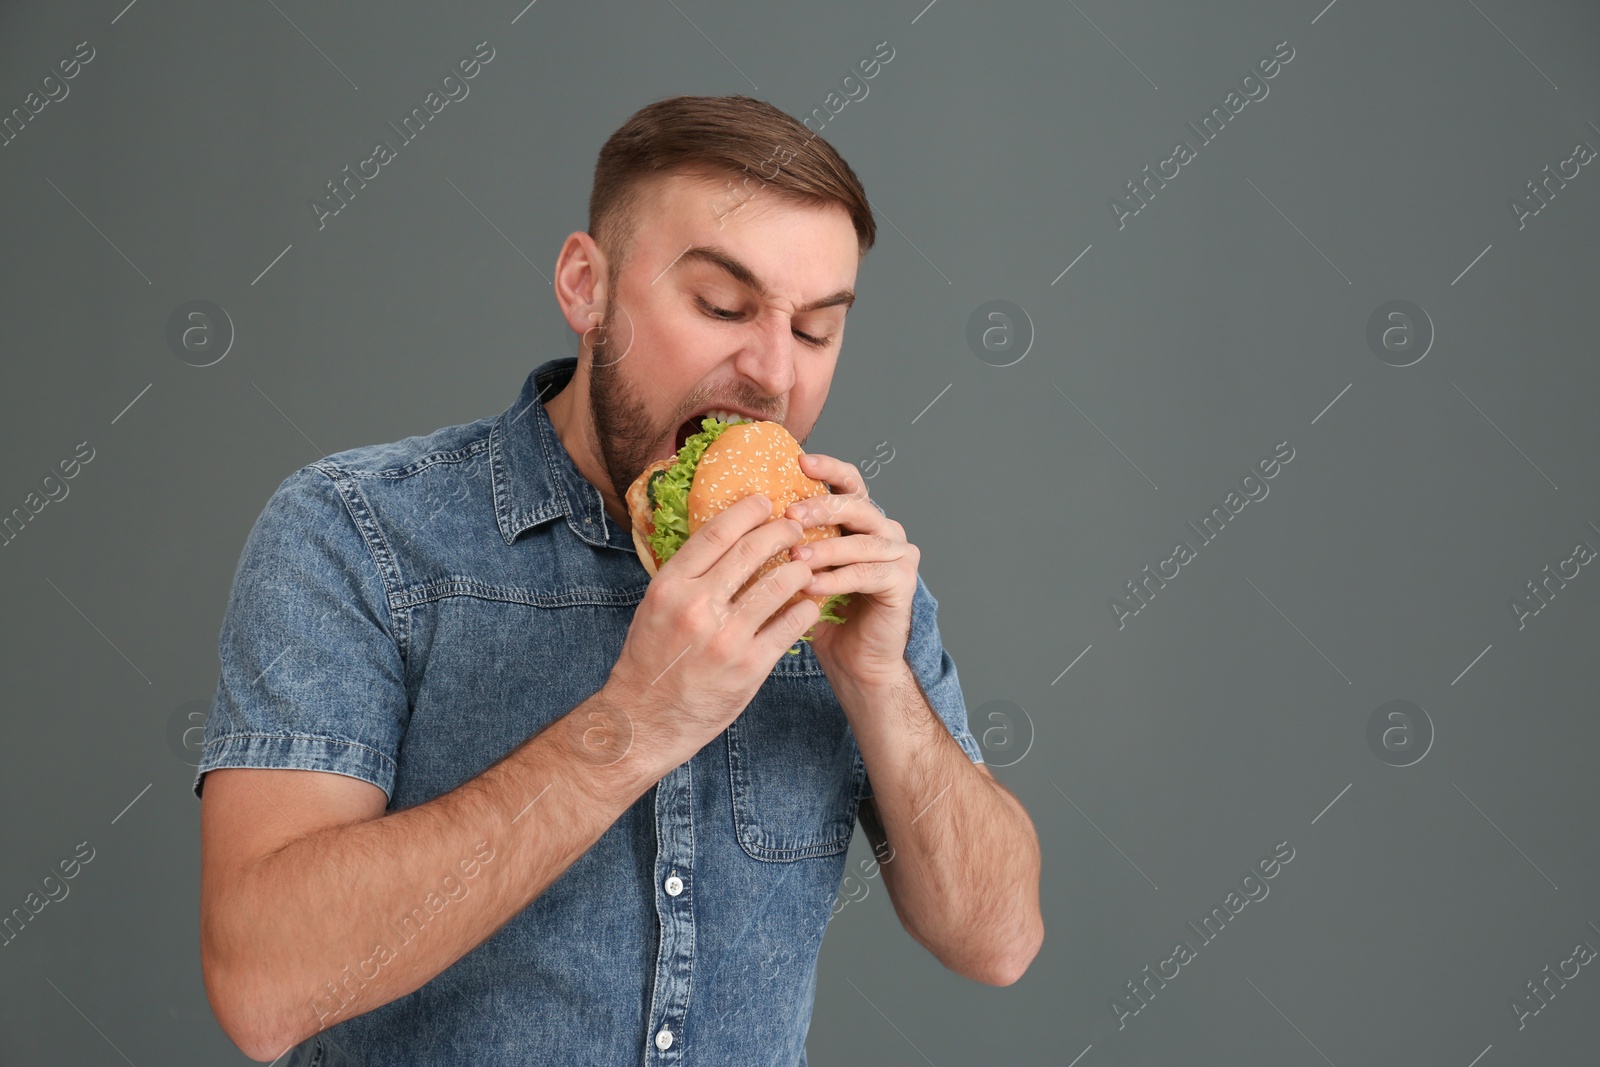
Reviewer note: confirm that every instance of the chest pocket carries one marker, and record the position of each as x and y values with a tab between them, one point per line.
795	773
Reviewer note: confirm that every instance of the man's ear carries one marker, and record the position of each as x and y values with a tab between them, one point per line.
580	282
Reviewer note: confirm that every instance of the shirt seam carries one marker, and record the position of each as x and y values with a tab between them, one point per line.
237	736
458	585
416	466
360	511
352	759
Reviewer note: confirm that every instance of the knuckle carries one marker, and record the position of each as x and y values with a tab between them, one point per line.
750	555
720	645
665	588
780	580
716	535
773	540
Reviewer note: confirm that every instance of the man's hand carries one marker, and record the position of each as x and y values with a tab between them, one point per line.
871	560
701	643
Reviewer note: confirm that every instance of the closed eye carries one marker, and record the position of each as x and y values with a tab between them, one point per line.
716	312
725	315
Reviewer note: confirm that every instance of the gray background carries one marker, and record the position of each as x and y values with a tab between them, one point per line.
1228	315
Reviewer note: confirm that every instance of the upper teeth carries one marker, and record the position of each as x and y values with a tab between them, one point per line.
723	416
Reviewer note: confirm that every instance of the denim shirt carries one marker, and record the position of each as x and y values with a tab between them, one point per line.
408	613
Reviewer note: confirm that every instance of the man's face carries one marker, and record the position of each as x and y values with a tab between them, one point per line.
684	333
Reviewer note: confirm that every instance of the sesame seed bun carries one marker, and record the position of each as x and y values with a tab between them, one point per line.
746	458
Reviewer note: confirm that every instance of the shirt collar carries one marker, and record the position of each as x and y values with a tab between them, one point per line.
535	479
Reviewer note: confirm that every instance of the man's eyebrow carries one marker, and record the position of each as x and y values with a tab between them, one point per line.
717	257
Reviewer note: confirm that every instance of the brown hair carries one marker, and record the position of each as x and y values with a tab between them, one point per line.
717	136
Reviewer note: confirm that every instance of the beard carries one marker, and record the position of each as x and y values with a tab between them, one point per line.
627	439
623	431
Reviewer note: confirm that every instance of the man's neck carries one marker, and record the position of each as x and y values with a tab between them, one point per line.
569	416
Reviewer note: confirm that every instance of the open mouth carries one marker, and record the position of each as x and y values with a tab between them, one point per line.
686	429
691	426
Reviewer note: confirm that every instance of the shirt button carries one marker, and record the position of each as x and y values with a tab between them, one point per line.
664	1039
674	886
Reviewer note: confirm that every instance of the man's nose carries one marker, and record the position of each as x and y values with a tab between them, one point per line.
767	358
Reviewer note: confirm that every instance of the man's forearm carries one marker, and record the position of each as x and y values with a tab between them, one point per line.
964	867
341	921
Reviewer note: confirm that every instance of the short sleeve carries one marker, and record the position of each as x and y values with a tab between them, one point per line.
936	671
311	676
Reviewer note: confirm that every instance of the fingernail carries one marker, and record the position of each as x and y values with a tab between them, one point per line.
803	552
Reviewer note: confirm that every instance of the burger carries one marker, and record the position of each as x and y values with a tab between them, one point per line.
713	470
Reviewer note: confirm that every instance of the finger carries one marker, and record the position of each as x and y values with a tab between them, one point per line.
768	592
712	541
784	629
852	548
873	576
836	472
733	572
832	509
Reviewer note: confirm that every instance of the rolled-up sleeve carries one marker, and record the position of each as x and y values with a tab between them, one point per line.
312	676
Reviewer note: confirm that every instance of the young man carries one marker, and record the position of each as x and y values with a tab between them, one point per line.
481	791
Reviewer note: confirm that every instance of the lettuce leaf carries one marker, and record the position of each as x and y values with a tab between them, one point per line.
829	606
671	516
670	493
